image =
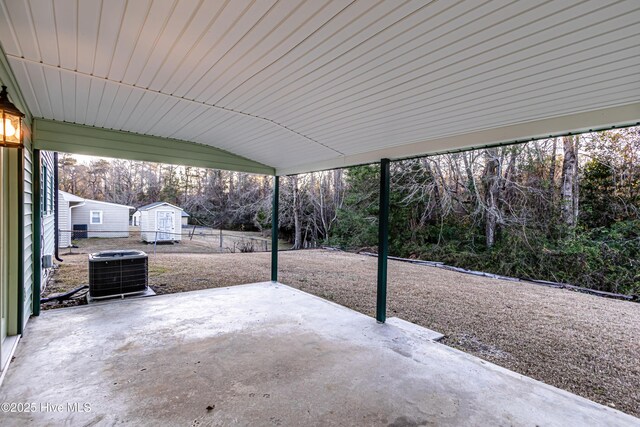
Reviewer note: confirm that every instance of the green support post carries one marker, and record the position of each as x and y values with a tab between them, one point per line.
274	229
383	242
37	258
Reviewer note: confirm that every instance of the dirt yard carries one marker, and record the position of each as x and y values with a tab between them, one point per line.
585	344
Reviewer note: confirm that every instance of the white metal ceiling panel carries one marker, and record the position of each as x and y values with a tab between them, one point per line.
36	77
166	22
360	91
519	75
68	86
352	26
529	95
83	86
133	21
378	138
21	72
66	18
25	41
307	84
197	42
273	39
88	26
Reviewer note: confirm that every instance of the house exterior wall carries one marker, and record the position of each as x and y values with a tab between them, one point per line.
16	258
47	205
185	220
16	225
27	234
148	225
115	219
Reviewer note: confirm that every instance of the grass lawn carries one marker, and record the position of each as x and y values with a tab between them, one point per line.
584	344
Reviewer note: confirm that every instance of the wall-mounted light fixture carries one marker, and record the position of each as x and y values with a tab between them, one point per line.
11	122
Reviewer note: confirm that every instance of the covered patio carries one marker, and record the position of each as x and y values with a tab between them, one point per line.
266	354
277	88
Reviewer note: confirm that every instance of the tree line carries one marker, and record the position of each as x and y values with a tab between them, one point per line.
562	209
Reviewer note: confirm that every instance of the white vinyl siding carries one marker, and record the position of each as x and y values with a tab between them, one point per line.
16	232
27	243
66	205
47	211
64	224
114	221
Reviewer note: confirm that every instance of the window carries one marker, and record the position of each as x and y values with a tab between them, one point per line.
46	191
95	217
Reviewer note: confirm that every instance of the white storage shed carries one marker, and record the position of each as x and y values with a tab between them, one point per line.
160	222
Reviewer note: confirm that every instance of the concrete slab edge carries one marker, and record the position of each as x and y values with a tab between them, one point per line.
12	350
413	329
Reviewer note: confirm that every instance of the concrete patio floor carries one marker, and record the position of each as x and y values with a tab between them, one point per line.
265	354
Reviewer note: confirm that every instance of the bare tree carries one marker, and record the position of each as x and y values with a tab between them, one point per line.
491	179
569	201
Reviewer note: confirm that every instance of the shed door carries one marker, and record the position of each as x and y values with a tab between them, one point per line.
165	225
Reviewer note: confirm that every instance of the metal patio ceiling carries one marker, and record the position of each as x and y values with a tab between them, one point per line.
304	85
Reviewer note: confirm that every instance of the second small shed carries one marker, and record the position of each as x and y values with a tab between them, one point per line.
160	222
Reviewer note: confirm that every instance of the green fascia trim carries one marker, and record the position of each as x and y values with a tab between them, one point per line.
80	139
